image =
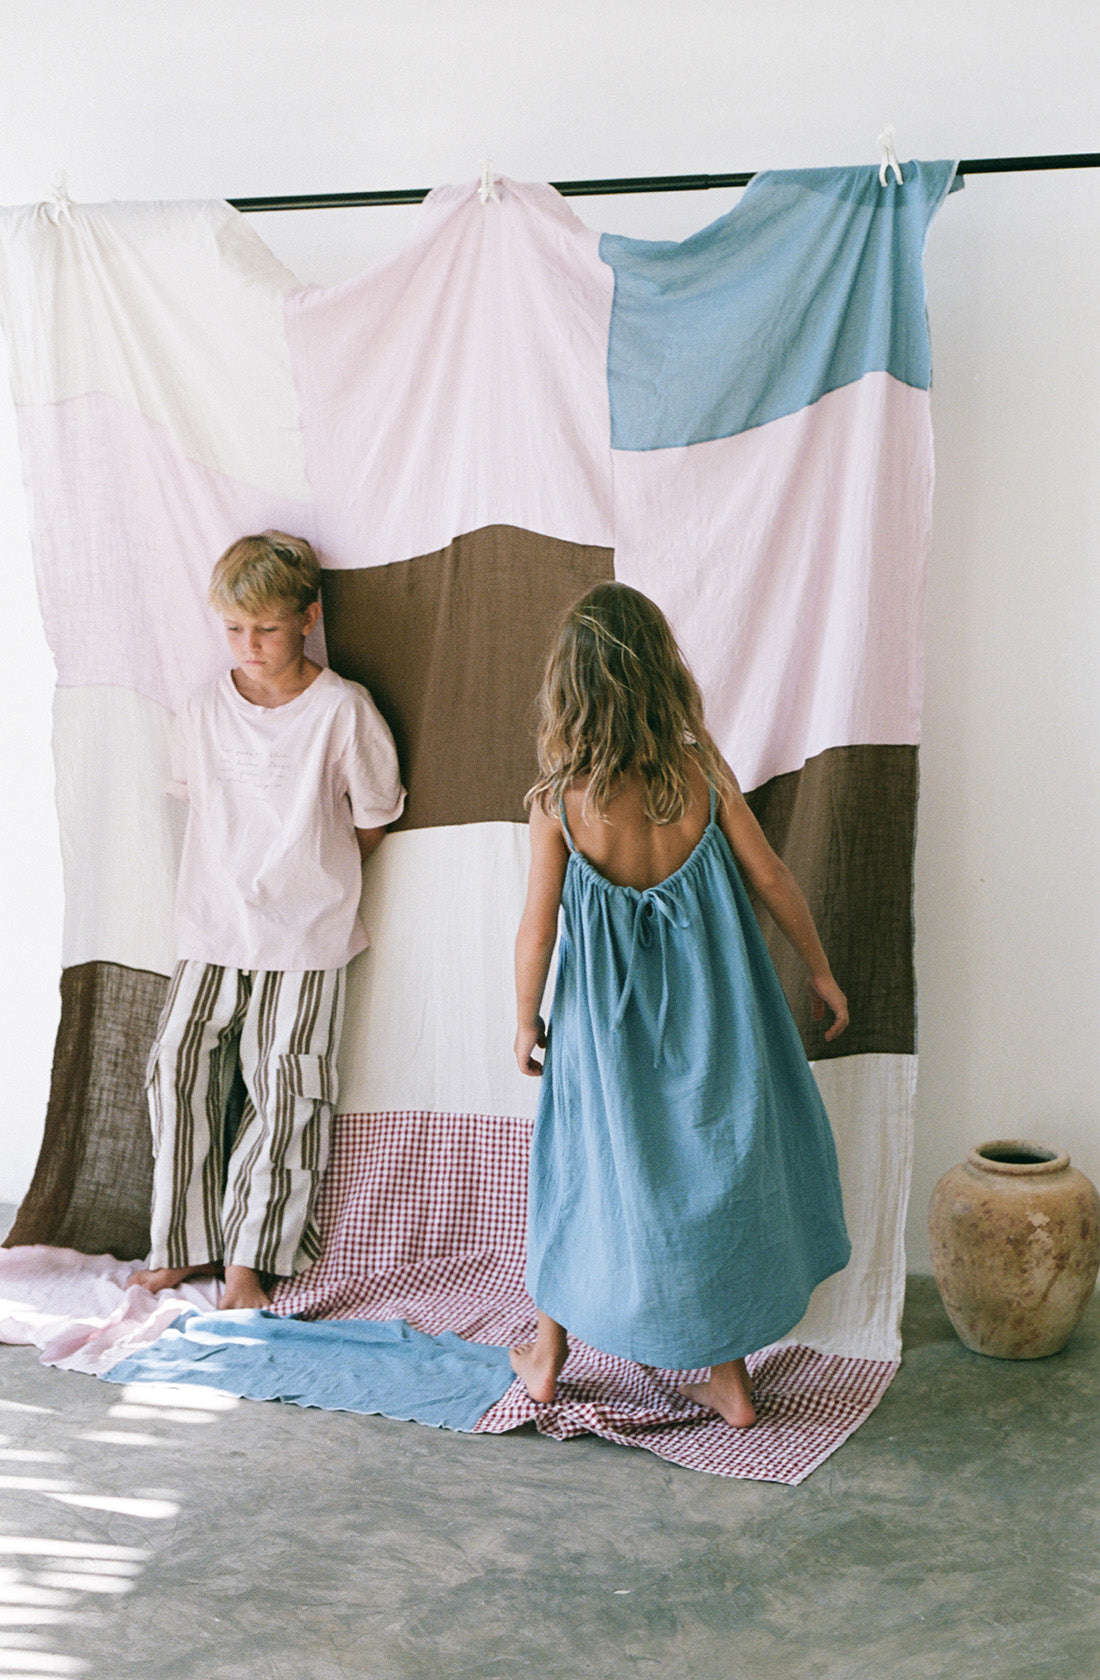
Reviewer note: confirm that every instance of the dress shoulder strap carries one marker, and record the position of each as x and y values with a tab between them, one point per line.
713	799
565	825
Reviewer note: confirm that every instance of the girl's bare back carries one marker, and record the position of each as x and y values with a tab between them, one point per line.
625	845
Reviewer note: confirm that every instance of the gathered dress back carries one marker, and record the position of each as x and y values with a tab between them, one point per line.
684	1194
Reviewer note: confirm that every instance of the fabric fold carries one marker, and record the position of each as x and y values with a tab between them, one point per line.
343	1365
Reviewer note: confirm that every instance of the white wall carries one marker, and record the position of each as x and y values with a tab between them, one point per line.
146	99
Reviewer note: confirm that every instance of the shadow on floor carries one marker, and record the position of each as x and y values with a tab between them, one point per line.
145	1538
924	1320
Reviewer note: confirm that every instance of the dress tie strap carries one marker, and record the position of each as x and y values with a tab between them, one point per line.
654	913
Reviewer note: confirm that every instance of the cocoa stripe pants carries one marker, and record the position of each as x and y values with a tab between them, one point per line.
246	1201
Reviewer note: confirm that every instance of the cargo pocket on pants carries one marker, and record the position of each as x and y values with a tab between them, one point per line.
311	1077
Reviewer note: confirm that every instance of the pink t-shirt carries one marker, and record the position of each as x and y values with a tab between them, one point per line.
270	876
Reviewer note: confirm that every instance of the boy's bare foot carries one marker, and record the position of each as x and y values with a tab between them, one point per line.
242	1289
539	1363
727	1391
170	1277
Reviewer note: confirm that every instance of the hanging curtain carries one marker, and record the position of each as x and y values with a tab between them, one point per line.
472	433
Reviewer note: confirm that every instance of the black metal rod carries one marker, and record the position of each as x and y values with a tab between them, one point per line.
640	184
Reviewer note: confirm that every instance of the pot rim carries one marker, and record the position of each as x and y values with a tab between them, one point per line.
1041	1157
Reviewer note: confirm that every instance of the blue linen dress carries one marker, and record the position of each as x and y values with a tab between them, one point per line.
684	1197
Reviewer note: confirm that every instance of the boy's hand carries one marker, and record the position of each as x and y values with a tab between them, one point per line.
529	1039
826	991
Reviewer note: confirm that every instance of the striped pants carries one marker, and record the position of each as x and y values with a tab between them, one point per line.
247	1200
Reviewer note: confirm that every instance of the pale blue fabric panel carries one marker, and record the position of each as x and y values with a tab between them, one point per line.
811	281
340	1365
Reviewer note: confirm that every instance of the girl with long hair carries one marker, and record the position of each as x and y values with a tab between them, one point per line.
684	1196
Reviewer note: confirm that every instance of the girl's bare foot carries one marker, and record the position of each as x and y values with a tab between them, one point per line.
539	1363
170	1277
727	1391
243	1289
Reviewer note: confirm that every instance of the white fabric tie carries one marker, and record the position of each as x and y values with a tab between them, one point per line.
59	206
887	140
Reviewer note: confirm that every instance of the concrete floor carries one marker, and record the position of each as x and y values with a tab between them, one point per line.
955	1534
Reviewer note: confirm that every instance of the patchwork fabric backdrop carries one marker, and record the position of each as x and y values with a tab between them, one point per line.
507	411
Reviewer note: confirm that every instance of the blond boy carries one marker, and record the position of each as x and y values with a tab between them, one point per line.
291	779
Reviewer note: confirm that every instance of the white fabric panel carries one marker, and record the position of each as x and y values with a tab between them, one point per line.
121	833
857	1313
431	1004
176	309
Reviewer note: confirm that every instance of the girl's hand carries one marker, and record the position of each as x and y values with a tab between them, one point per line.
826	991
529	1039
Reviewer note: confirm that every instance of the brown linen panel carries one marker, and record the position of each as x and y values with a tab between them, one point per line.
846	825
452	646
92	1185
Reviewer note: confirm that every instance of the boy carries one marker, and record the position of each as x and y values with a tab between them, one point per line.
291	779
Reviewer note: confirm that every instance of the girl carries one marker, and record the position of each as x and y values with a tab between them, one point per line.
684	1197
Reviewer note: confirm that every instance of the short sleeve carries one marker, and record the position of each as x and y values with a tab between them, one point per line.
176	784
369	763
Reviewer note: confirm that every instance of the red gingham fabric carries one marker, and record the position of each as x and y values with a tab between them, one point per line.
423	1217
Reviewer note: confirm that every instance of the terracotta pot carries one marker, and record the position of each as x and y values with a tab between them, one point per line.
1015	1248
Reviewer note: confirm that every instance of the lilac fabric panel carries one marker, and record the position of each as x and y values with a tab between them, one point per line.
789	559
124	551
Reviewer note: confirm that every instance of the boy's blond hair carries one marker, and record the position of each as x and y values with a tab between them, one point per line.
617	700
258	573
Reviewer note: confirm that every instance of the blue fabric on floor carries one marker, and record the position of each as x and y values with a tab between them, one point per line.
342	1365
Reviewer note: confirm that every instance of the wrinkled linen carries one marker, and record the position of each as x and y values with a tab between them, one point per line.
351	1365
81	1310
506	411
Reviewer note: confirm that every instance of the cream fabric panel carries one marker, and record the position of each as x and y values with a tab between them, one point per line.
120	832
870	1103
176	309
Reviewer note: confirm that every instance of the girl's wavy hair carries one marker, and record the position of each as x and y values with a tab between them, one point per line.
617	699
257	574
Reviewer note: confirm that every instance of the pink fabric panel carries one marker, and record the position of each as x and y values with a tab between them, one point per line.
126	531
462	383
829	507
82	1311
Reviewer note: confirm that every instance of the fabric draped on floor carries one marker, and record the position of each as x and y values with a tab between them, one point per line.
422	1219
